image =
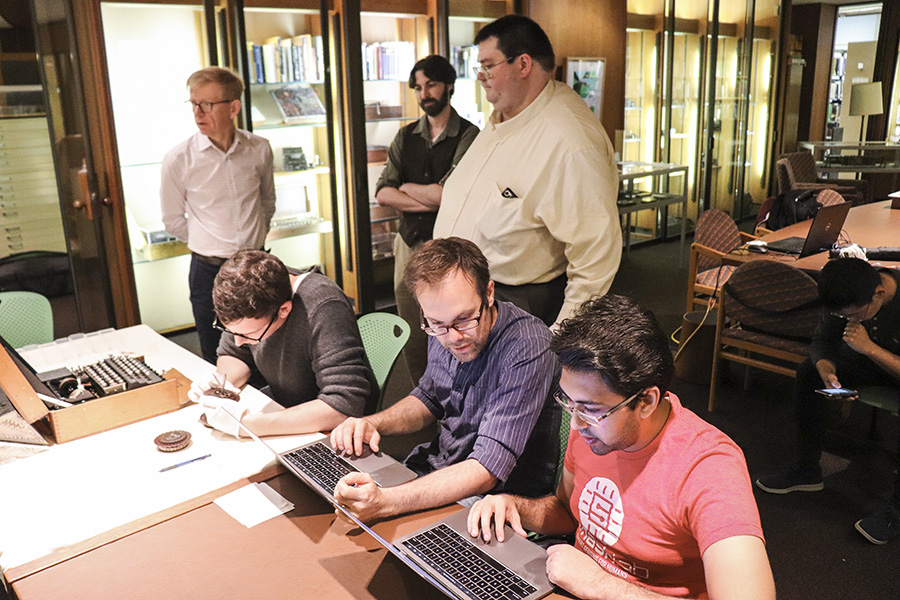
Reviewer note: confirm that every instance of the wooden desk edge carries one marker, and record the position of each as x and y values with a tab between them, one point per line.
60	555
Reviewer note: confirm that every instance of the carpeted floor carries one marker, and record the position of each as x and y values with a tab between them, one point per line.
814	550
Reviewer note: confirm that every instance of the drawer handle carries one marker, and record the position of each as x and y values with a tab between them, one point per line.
10	213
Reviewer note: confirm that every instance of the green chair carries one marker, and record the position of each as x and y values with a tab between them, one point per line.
383	337
25	318
564	428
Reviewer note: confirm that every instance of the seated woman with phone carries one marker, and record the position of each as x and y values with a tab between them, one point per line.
857	343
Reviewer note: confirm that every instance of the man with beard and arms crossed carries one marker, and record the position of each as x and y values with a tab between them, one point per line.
659	501
537	189
488	382
419	159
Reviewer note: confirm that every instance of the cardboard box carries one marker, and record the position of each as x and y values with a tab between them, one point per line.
92	416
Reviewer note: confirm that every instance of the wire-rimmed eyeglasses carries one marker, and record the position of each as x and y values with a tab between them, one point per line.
590	419
484	71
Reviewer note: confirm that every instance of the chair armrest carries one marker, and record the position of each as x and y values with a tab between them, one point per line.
761	231
748	237
707	251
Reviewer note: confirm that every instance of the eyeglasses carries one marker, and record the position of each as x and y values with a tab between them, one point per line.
205	107
569	406
220	327
484	71
858	315
436	330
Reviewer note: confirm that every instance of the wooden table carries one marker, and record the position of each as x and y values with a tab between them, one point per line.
206	554
94	518
869	225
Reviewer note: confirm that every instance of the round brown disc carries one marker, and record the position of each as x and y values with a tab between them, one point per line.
172	441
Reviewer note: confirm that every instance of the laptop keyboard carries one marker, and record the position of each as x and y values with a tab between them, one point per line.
321	463
791	245
471	569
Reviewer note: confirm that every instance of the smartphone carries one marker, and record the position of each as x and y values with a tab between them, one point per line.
838	392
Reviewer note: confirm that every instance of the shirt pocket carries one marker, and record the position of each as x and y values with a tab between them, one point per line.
507	225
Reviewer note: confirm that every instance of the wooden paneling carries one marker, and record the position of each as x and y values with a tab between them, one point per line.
590	28
814	24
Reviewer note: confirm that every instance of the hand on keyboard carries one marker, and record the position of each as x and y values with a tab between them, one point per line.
499	509
351	436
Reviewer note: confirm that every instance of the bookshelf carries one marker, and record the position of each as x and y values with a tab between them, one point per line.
286	70
391	45
836	96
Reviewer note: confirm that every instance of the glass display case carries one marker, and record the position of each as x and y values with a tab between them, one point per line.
638	137
465	20
391	45
162	43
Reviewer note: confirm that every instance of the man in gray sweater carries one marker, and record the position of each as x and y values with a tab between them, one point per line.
299	331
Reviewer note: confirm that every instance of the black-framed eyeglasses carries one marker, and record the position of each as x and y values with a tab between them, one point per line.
464	325
205	107
485	70
573	409
216	324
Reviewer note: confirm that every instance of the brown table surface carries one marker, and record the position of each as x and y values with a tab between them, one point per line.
869	225
205	553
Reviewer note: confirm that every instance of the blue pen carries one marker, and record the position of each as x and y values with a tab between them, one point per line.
181	464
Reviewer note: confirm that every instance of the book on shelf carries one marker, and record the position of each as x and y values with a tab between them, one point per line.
298	102
285	60
388	60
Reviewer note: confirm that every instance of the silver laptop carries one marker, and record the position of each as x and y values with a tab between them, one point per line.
320	467
823	232
474	569
443	553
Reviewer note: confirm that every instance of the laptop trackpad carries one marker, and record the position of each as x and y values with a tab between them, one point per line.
385	470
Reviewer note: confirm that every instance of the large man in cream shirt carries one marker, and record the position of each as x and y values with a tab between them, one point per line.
217	191
537	189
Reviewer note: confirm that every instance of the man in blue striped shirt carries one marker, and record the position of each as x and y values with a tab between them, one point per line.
488	383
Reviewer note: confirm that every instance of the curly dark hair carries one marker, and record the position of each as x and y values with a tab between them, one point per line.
252	284
619	340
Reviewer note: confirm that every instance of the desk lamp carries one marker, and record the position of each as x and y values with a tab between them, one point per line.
865	100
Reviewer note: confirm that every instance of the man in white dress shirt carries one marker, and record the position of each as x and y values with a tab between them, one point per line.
217	191
536	191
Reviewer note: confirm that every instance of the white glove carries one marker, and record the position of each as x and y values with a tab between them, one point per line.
225	416
206	382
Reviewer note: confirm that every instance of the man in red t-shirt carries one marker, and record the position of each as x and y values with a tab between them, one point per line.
659	501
